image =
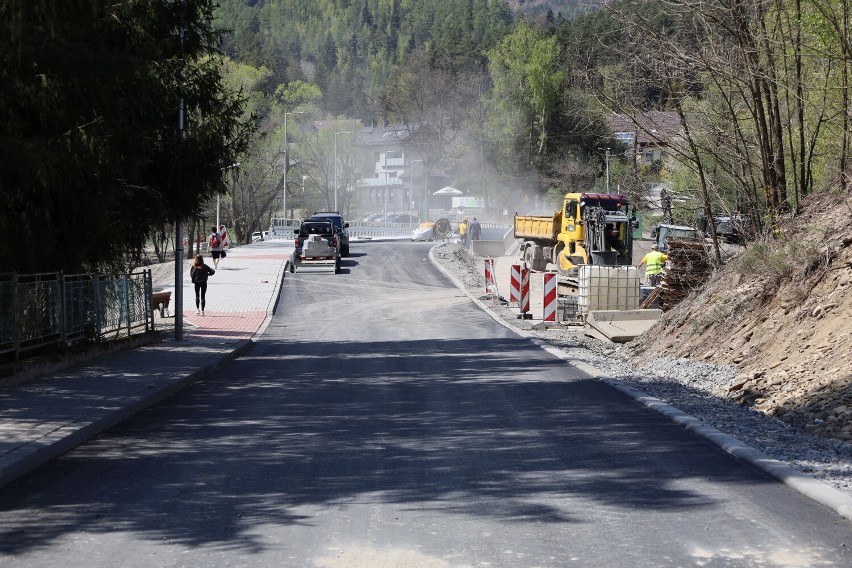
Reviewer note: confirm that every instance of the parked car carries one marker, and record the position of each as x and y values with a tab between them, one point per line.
340	227
424	232
256	236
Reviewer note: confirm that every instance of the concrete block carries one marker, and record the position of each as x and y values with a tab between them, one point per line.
621	326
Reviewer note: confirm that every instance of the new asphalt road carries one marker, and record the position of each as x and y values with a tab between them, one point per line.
384	420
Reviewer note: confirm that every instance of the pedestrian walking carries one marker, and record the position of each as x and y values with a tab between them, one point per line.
214	245
198	274
654	262
475	230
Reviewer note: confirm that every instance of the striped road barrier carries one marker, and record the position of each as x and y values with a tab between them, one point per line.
524	301
490	282
550	303
515	284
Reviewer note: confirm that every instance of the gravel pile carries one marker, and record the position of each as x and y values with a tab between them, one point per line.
694	387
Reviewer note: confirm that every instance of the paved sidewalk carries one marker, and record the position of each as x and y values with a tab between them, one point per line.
46	417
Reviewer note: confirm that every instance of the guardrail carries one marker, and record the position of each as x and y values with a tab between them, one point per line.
381	230
366	230
37	310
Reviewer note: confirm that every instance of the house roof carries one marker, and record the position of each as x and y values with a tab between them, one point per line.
391	134
652	127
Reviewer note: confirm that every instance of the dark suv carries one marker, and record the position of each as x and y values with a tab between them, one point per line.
340	227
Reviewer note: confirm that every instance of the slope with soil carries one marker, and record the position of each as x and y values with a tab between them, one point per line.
781	313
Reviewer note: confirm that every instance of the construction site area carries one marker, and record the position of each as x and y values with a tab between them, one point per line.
771	323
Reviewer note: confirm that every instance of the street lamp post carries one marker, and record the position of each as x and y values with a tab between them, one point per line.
423	202
385	195
606	159
335	166
179	252
286	163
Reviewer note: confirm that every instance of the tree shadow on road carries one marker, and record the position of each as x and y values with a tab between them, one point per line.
482	427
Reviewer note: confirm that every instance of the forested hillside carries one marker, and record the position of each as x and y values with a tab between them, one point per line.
515	102
553	11
350	49
761	101
488	82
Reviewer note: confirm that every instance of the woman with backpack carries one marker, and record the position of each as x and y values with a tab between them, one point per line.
198	274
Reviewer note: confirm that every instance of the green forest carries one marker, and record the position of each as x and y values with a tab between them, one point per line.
122	119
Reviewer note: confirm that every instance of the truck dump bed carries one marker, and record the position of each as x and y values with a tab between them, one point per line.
534	228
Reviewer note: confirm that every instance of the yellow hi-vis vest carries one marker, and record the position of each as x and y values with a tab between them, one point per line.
654	261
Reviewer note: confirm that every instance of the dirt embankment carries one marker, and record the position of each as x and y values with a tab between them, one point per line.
782	313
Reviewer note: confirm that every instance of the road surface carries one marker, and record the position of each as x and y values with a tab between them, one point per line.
385	421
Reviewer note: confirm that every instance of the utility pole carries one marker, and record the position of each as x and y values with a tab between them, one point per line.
335	166
385	195
286	164
178	229
423	201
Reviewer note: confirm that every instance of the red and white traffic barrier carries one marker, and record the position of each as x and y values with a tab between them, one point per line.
490	284
223	237
549	308
524	299
515	284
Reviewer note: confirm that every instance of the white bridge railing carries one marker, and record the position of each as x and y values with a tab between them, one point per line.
380	230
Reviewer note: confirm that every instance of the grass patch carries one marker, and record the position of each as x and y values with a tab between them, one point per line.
763	260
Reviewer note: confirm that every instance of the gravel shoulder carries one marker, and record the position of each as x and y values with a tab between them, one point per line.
686	384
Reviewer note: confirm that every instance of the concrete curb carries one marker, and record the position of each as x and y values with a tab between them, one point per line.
805	484
272	307
820	492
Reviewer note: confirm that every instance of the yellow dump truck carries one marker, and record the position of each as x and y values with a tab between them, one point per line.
591	228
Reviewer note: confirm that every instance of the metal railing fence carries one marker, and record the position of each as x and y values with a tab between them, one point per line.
390	230
51	308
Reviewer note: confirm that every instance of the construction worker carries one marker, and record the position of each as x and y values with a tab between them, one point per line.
613	240
654	262
475	230
463	231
